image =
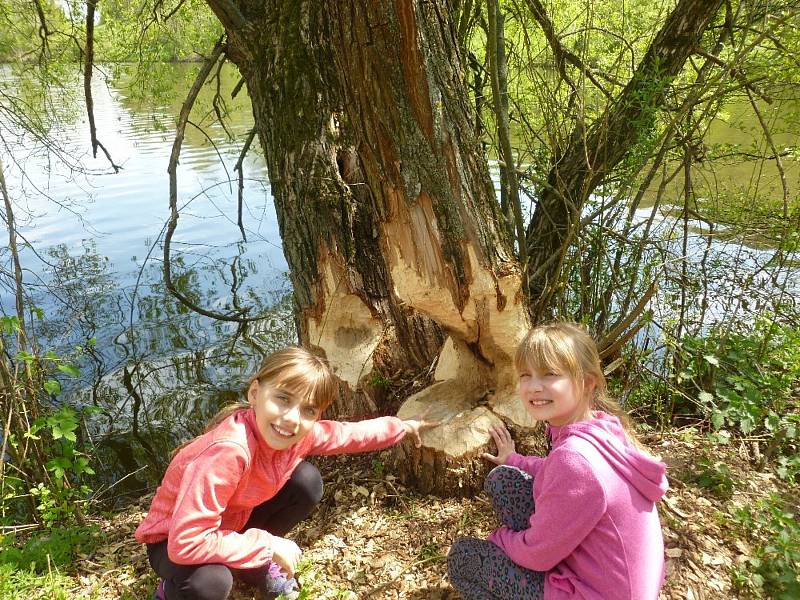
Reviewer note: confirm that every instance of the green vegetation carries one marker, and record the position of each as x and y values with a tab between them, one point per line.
50	463
55	549
774	570
33	568
716	145
744	384
20	584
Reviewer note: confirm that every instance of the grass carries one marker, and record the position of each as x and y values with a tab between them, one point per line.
22	584
729	533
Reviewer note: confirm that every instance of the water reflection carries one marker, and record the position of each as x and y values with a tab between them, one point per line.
93	264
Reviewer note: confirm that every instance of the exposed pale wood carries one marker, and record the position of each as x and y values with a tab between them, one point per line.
387	214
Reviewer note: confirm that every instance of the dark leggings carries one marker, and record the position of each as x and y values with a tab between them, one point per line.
293	503
478	569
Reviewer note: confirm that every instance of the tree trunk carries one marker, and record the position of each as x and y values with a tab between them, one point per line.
393	236
390	226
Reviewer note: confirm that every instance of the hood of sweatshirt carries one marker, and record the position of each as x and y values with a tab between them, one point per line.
644	472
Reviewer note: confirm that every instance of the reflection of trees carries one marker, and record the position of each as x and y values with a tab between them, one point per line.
157	370
161	96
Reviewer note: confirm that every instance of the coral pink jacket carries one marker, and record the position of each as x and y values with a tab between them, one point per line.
212	485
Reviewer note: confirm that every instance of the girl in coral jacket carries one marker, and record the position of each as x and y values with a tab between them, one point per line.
230	496
582	521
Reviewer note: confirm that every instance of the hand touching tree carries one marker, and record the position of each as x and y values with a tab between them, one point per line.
504	443
415	426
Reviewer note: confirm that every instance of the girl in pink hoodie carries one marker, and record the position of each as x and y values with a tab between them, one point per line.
580	522
230	496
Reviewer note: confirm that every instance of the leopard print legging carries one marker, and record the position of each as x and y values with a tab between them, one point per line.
478	569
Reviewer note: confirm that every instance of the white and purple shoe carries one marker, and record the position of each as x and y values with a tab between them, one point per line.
280	586
159	594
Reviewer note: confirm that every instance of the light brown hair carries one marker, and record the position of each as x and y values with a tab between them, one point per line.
293	369
567	349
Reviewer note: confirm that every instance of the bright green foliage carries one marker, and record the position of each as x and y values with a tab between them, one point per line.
56	548
748	382
51	441
774	569
56	500
28	585
147	31
22	37
146	38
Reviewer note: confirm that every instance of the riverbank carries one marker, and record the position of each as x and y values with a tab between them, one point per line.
373	538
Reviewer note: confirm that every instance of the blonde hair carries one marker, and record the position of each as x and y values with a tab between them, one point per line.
293	369
567	349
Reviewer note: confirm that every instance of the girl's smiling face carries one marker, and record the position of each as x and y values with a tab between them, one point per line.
284	417
554	397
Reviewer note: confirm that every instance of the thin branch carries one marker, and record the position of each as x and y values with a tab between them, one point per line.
44	32
622	331
171	13
229	14
498	72
218	103
237	88
213	145
91	5
12	245
561	54
172	169
240	168
750	86
775	153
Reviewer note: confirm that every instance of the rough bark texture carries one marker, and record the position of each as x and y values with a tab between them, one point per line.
387	211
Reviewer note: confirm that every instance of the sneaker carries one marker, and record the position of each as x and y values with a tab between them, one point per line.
159	593
279	586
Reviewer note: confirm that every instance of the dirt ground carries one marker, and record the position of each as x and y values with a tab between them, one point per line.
373	538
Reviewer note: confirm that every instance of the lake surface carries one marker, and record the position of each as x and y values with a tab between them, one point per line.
94	258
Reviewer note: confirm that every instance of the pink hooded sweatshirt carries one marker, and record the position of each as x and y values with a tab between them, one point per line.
595	530
212	485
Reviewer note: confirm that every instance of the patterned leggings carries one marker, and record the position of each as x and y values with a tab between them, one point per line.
478	569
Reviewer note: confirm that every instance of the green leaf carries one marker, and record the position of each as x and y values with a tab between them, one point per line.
705	397
711	359
52	387
26	356
746	424
9	325
70	370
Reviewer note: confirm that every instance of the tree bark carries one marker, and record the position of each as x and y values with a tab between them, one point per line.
397	253
396	248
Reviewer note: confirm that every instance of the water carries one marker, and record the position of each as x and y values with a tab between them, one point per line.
93	259
157	370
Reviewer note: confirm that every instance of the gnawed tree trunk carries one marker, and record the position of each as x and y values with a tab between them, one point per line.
387	213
